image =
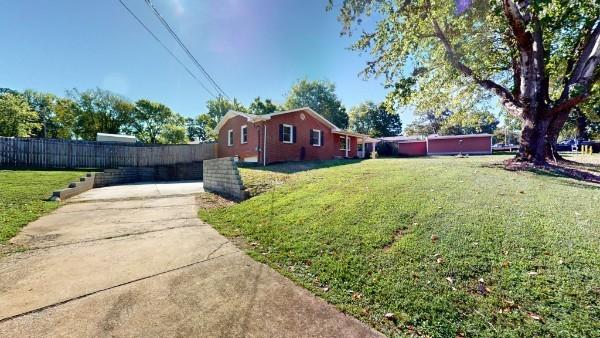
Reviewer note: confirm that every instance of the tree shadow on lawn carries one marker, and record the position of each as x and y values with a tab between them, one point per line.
295	167
577	178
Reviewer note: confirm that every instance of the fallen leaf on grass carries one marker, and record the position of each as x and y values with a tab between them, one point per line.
434	237
534	316
450	280
390	316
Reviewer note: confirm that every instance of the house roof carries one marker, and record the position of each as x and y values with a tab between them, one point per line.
257	118
398	138
349	133
441	137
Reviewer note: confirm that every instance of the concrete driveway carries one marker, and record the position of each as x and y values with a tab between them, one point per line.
135	260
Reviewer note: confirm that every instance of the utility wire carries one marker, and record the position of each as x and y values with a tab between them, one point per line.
187	51
167	49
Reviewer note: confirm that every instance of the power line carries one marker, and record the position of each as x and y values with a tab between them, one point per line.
187	51
167	48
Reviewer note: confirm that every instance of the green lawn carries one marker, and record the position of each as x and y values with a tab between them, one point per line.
24	194
450	247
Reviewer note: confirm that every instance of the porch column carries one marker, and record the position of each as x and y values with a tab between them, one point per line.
347	145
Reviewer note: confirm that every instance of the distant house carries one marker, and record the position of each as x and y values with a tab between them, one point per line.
293	135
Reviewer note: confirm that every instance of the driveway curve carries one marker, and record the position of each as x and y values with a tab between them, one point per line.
135	260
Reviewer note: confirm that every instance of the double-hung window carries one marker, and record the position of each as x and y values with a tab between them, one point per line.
343	144
244	134
288	133
230	137
315	137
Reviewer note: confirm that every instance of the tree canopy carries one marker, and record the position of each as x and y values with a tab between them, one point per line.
374	120
260	107
17	119
538	58
321	97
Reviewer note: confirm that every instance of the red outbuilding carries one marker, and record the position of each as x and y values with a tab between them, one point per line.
474	144
293	135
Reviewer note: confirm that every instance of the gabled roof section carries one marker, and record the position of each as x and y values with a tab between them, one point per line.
309	111
232	113
256	118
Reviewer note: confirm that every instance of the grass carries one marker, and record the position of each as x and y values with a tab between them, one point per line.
24	194
450	247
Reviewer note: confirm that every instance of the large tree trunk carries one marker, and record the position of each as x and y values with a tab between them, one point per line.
581	124
533	139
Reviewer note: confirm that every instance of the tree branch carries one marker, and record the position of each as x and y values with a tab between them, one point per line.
518	23
586	66
505	96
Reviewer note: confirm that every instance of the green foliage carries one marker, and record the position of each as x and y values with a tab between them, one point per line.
448	123
100	111
500	264
321	97
260	107
218	107
173	133
199	128
151	119
24	196
57	115
16	116
408	52
374	120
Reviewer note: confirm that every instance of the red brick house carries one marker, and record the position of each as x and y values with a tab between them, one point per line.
293	135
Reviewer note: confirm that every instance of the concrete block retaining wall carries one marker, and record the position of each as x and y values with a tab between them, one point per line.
124	175
221	176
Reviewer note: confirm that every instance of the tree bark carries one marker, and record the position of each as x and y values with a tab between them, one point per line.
533	142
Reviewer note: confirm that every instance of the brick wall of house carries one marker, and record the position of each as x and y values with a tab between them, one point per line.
302	149
238	149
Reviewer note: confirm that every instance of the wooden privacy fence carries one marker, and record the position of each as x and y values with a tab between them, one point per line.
52	153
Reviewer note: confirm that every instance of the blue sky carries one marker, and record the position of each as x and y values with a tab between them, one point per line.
251	47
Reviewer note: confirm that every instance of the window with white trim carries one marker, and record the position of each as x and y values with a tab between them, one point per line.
243	134
230	137
315	137
288	133
343	143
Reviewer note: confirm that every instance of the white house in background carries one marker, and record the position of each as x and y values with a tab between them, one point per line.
102	137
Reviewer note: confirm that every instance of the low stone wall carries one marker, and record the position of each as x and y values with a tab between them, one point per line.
178	172
221	176
75	188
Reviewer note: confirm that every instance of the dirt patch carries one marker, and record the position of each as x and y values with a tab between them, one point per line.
208	201
398	234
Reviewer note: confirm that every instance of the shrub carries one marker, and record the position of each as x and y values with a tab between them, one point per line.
387	149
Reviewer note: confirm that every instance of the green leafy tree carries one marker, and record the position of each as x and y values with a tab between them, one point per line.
260	107
321	97
198	128
538	58
218	107
100	111
65	117
477	122
374	120
150	119
428	123
16	116
43	104
174	132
